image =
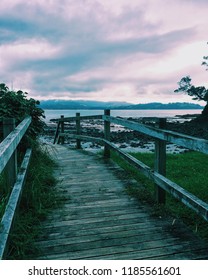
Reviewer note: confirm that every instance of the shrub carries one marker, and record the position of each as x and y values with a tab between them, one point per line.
14	104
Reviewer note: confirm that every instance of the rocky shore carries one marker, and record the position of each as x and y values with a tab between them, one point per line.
132	141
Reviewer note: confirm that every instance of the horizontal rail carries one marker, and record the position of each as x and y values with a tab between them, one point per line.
10	143
8	217
68	119
180	139
190	200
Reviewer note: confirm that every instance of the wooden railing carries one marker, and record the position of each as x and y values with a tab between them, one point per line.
14	180
161	136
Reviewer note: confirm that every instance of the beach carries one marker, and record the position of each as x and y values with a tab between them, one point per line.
126	139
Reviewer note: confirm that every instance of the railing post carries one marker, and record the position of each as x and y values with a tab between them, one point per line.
56	133
160	161
78	130
107	134
11	167
62	130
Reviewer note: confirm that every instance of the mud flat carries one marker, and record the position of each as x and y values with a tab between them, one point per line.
128	140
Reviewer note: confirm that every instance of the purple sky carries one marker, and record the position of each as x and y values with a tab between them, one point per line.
134	51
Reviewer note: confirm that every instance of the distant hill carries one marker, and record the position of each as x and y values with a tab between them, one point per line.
87	105
81	104
161	106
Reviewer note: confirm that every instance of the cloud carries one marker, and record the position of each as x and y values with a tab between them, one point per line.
89	49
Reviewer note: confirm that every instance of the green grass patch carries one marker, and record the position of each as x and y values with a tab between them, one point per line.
189	170
37	200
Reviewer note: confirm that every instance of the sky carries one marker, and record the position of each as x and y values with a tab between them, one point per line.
108	50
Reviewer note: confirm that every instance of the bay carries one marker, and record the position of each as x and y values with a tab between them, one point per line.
53	114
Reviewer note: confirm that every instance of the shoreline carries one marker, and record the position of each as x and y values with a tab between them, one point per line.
126	139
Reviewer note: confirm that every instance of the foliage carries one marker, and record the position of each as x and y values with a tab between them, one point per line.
37	200
197	93
14	104
38	195
205	62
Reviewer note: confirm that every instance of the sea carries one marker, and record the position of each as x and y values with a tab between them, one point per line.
54	114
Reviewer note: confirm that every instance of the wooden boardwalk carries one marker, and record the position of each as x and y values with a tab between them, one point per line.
98	220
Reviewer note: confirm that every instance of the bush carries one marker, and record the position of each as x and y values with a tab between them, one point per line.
37	200
14	104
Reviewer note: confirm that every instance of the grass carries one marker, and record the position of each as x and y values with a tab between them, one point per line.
189	170
37	200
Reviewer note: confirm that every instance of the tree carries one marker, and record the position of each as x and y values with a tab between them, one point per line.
14	104
205	63
197	93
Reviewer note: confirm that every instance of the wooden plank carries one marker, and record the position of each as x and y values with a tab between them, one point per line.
92	207
79	232
8	217
66	214
9	144
116	243
142	249
168	252
180	139
156	226
100	219
136	234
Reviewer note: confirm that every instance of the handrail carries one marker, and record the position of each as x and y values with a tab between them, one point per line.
9	144
68	119
161	136
7	153
14	199
174	189
183	140
192	143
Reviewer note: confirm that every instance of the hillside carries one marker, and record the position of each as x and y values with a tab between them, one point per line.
87	105
81	104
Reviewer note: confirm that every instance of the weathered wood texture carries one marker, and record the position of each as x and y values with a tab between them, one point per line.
96	219
180	139
9	144
78	129
14	199
160	161
69	119
11	167
107	135
57	132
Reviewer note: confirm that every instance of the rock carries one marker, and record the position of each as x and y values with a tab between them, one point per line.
134	144
123	146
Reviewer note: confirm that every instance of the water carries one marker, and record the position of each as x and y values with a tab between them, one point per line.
54	114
